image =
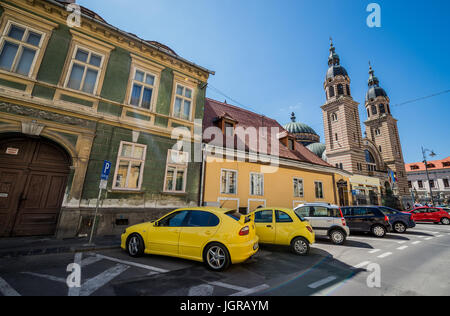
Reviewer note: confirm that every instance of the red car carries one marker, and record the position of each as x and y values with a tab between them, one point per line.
430	215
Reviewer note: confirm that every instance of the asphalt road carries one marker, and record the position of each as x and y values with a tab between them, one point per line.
415	263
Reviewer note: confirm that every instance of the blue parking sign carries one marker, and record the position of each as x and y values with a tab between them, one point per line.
106	170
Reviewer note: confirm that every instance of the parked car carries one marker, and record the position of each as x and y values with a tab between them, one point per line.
326	220
430	215
281	226
401	221
215	236
367	219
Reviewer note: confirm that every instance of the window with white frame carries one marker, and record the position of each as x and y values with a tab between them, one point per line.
229	182
319	190
84	71
20	46
130	166
183	102
142	87
256	184
176	171
298	187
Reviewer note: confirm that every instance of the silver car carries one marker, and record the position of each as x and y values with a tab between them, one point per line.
326	219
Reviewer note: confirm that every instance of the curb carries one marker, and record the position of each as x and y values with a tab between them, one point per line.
53	250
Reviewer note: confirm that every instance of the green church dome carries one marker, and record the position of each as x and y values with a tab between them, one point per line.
317	148
298	128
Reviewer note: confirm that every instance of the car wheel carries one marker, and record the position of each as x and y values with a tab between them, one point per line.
300	246
135	246
216	257
399	228
337	237
379	231
445	221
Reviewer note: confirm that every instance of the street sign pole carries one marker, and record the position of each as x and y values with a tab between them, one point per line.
95	216
103	184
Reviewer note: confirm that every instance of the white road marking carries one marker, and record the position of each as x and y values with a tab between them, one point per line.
229	286
429	238
7	289
46	276
134	264
402	242
201	290
421	236
89	261
251	291
375	251
384	255
362	264
402	248
439	236
322	282
416	242
102	279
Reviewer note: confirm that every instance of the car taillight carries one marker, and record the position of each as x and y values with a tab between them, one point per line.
244	231
386	218
309	228
344	223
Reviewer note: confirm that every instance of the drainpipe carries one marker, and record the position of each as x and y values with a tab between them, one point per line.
202	181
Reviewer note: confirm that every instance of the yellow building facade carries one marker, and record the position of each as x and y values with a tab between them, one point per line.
246	180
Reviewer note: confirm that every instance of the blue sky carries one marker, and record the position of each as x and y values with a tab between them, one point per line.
271	56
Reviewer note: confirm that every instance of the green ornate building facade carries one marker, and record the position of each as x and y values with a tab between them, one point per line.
72	97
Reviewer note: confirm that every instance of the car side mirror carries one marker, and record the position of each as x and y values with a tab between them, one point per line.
156	224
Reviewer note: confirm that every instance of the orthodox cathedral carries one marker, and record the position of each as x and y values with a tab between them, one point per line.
375	158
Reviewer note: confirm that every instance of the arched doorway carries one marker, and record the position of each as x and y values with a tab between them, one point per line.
33	179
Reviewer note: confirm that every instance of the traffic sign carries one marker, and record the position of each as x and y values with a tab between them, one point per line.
106	170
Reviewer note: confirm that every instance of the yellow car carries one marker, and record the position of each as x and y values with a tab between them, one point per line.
281	226
218	237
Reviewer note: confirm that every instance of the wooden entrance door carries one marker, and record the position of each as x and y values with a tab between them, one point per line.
33	179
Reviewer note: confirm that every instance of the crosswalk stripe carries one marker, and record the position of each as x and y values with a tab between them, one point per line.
362	264
100	280
252	291
402	248
384	255
134	264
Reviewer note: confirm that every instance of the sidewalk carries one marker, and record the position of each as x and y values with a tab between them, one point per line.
32	246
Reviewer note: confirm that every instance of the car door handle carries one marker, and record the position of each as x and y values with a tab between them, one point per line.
269	226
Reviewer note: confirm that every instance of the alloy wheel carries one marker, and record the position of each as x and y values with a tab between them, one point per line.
400	228
133	245
216	257
379	231
446	221
300	246
337	237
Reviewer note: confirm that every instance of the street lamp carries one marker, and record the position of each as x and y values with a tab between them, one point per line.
432	154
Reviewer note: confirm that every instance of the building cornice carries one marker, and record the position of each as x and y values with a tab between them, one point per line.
109	34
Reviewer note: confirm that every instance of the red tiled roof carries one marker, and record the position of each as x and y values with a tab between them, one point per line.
432	165
215	109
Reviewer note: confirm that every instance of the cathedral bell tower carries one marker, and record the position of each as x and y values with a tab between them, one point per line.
342	124
381	128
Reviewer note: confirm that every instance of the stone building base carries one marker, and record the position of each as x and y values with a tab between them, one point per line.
78	222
